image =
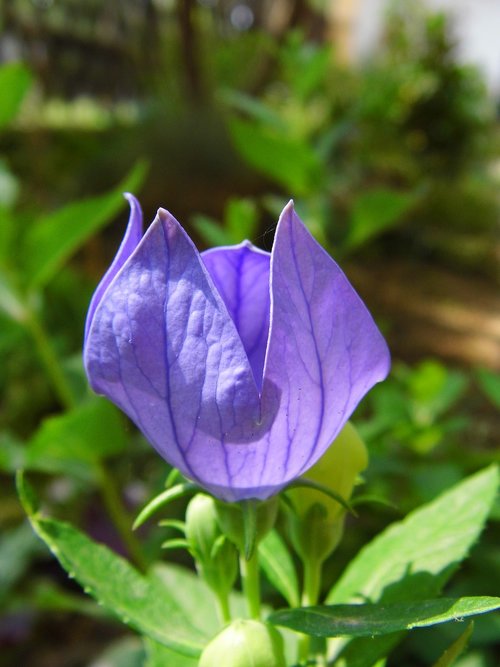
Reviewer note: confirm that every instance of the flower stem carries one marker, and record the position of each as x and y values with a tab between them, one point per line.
49	360
249	570
223	607
310	596
119	516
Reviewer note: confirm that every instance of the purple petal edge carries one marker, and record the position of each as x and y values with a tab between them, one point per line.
131	238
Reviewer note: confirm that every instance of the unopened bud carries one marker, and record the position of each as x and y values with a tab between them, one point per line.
317	525
216	558
245	643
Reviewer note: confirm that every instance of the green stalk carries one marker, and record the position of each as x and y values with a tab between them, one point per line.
223	607
49	361
310	596
249	570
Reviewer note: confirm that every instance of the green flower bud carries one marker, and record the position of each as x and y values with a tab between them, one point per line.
215	557
317	527
337	469
232	522
245	643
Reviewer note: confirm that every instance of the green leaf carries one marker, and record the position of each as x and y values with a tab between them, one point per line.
55	237
10	303
240	222
240	219
158	655
194	597
291	163
252	107
370	620
374	212
211	231
456	649
17	546
490	384
278	566
74	441
415	557
139	601
15	81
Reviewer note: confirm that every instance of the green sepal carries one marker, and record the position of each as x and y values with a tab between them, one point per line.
173	493
175	543
248	522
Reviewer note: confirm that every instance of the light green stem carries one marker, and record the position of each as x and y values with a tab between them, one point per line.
223	607
249	570
50	361
310	596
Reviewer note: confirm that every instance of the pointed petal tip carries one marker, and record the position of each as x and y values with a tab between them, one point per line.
166	217
132	201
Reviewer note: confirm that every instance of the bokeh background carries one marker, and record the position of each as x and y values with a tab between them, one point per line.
380	119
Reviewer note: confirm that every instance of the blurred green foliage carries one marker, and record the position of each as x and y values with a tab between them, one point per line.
405	142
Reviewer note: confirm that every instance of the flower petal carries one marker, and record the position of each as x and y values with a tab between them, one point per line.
163	347
324	353
133	235
241	274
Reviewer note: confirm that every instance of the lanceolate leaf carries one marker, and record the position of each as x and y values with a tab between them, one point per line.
139	601
369	620
414	558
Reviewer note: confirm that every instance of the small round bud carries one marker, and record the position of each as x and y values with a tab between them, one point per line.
245	643
215	556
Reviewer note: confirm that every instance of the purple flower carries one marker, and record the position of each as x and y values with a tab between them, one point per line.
239	366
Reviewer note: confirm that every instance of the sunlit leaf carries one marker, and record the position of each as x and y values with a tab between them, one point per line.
412	559
139	601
